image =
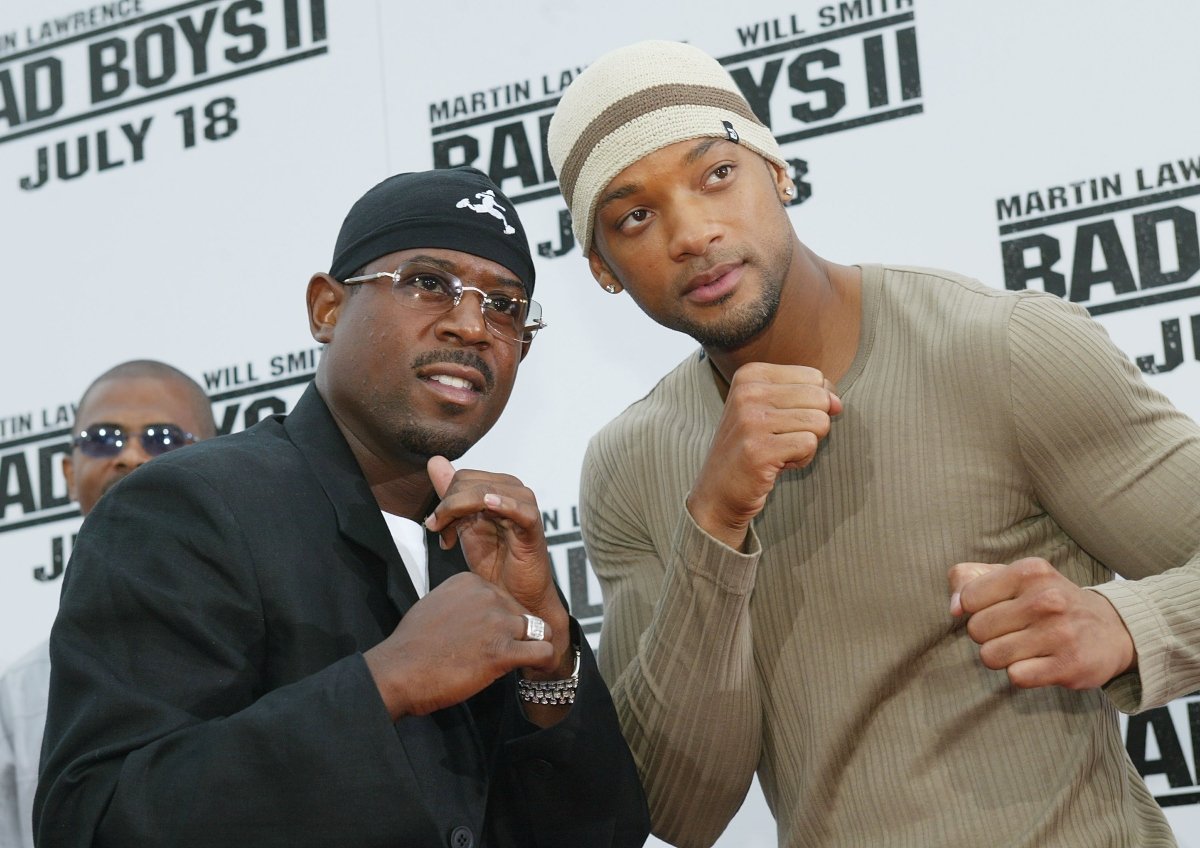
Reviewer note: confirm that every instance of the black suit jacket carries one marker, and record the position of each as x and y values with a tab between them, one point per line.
209	689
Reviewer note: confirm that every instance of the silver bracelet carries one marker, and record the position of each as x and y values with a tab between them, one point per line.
550	691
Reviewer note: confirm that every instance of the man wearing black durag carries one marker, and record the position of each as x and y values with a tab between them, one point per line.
317	632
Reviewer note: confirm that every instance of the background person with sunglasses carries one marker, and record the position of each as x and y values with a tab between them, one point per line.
130	414
317	632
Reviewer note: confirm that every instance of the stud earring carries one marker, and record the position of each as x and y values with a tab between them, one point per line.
611	288
788	191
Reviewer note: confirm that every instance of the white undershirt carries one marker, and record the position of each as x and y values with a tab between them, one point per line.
409	537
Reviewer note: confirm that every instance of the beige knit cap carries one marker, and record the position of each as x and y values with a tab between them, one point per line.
636	100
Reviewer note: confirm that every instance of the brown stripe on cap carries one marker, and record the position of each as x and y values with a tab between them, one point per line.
634	106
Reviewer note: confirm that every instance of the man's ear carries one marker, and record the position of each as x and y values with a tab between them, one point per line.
603	274
68	469
785	187
325	298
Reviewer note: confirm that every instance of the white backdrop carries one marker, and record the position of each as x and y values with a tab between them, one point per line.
172	173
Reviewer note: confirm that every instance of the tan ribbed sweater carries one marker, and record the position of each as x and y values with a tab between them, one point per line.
979	425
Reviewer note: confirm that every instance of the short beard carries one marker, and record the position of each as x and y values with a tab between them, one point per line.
737	328
424	441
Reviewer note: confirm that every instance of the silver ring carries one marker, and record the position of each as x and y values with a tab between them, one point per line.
535	628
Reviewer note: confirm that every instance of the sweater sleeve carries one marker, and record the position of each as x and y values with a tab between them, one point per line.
1118	467
676	649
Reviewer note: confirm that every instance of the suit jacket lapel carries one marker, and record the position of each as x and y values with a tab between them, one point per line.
312	429
458	789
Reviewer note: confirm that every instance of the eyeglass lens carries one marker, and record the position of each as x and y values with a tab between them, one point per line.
107	440
432	290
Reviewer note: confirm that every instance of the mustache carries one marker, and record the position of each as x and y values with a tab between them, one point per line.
704	263
458	357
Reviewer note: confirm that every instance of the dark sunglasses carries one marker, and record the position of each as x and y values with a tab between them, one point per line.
105	440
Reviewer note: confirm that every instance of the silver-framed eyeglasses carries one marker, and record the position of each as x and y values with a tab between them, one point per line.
426	288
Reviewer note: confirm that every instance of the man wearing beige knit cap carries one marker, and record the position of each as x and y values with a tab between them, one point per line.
774	524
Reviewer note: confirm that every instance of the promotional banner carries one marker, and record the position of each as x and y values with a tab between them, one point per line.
171	174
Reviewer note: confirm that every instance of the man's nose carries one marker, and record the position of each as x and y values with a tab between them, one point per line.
132	454
692	230
465	321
